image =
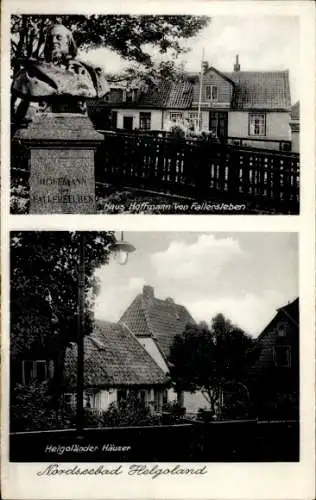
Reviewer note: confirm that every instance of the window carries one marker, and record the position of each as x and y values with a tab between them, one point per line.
121	395
193	119
34	370
176	116
257	124
116	95
211	93
282	356
282	329
92	400
145	121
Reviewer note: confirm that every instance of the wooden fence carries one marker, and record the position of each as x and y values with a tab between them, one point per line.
232	441
265	179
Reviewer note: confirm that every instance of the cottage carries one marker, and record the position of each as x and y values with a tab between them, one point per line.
251	108
115	364
274	384
155	322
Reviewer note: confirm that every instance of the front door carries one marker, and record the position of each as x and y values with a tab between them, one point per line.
127	122
218	124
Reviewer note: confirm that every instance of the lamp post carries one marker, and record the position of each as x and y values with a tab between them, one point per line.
120	249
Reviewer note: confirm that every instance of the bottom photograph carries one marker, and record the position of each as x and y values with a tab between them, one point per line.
153	347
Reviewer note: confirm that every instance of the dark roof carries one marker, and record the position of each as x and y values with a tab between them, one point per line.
159	319
155	97
290	310
113	358
180	95
252	90
261	89
295	111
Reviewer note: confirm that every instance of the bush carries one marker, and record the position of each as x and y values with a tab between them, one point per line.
128	412
32	408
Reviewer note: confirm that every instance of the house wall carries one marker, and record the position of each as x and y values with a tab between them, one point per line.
185	113
149	344
156	117
277	127
193	402
295	142
225	89
295	135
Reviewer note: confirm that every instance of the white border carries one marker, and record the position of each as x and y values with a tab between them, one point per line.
223	481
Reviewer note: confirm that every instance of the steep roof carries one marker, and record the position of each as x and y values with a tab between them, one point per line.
261	89
155	96
290	310
157	318
113	358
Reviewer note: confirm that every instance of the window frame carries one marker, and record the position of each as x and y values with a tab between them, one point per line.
280	325
147	120
178	116
33	376
209	93
288	353
251	117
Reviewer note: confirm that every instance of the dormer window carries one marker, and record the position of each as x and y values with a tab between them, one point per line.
211	93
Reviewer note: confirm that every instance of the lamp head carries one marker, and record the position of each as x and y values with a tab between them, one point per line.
121	249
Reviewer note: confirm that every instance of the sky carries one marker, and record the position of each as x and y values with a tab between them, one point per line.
245	276
262	42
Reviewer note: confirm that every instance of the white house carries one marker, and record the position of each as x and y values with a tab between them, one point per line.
155	322
115	364
251	108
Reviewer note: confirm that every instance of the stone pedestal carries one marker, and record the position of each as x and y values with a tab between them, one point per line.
62	148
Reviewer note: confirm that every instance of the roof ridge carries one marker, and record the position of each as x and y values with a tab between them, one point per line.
146	314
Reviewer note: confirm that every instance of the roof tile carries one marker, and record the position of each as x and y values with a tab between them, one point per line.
113	357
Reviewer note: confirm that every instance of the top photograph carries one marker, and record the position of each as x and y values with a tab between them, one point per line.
157	115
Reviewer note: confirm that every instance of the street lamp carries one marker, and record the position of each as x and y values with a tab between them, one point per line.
120	249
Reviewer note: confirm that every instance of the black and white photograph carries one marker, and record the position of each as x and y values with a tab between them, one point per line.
154	347
155	114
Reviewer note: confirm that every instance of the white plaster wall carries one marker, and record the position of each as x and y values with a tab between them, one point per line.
149	344
107	397
277	125
295	142
193	402
156	117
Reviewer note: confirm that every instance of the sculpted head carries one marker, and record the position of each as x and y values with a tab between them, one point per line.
59	44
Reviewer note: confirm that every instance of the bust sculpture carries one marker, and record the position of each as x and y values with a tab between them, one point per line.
59	81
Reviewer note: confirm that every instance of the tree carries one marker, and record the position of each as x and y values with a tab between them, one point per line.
44	291
129	36
211	358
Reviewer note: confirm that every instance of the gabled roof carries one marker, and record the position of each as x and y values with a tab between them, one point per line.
261	90
148	316
289	311
266	90
113	357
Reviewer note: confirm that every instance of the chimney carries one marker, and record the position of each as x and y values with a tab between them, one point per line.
204	67
148	292
169	300
237	65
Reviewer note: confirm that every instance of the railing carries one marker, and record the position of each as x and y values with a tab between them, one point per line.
201	170
262	179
